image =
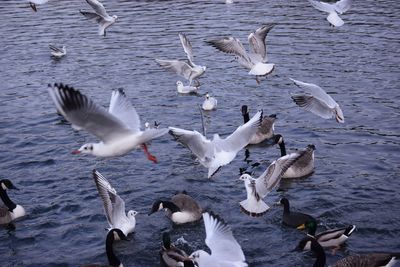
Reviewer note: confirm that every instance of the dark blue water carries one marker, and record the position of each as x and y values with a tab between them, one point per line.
356	180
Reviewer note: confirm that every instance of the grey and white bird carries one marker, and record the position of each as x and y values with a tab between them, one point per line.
118	128
58	52
187	69
33	3
340	7
209	103
256	60
100	16
317	101
215	153
259	188
9	211
186	89
225	250
114	206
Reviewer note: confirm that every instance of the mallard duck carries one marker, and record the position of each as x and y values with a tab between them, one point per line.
330	239
181	209
294	219
10	211
266	129
171	256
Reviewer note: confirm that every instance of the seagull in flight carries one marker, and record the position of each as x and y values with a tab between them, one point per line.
187	69
114	206
215	153
317	101
340	7
118	128
256	60
100	16
33	3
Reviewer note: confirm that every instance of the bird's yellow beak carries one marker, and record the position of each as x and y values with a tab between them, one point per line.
301	226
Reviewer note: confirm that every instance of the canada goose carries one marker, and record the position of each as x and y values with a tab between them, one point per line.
225	250
294	219
210	103
266	129
100	16
113	261
118	128
340	7
181	209
218	152
332	238
304	165
10	211
366	260
171	256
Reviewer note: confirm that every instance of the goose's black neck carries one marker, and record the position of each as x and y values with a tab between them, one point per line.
246	117
6	200
320	254
286	206
171	206
283	148
112	259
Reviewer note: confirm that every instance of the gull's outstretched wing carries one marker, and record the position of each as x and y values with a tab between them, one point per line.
98	8
179	67
187	46
122	108
193	140
257	40
233	46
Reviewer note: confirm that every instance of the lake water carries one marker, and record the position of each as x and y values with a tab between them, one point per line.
356	180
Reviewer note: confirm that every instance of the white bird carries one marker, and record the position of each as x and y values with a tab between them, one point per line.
186	89
213	154
257	189
9	211
225	250
318	102
114	206
118	128
188	70
333	9
33	3
210	103
58	52
100	16
256	60
229	1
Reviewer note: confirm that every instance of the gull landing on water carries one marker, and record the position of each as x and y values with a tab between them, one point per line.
118	128
100	16
33	3
58	52
333	9
188	70
256	60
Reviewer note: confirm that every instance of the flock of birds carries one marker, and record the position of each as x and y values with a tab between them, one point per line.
119	131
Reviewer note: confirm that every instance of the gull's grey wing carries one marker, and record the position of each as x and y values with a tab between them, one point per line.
313	105
187	46
193	140
122	108
233	46
83	113
257	40
343	6
98	8
179	67
316	92
106	192
92	16
55	49
322	6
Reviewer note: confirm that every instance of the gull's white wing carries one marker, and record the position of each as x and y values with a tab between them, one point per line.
343	6
313	105
233	46
322	6
98	8
334	19
242	135
83	113
187	46
122	108
114	206
220	240
179	67
193	140
38	2
316	92
257	40
271	177
56	49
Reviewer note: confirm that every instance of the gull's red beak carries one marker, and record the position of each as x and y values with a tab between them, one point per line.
75	152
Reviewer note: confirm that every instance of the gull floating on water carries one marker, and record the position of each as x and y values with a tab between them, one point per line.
185	89
188	70
225	250
33	3
317	101
258	188
100	16
256	60
333	9
114	206
210	103
215	153
118	128
58	52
